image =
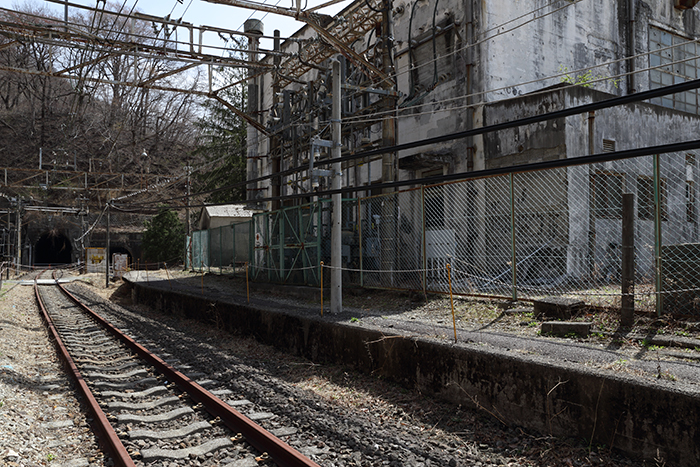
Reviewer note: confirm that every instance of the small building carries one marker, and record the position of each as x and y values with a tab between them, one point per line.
223	239
212	217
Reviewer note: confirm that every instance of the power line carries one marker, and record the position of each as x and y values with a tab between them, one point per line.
480	174
608	103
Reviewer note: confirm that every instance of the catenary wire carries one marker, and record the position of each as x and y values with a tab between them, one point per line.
608	103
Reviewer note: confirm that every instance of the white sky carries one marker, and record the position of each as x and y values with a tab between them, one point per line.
199	12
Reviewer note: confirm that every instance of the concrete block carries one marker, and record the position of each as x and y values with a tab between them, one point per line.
565	328
557	307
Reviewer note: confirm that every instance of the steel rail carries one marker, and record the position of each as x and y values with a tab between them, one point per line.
280	452
107	436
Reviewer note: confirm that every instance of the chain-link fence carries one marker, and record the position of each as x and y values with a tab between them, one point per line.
527	235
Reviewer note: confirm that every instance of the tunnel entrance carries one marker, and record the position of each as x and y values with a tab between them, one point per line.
53	248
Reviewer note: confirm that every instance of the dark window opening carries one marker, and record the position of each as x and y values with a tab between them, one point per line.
607	194
645	196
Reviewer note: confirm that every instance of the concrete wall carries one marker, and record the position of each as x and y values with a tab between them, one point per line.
494	51
644	419
570	194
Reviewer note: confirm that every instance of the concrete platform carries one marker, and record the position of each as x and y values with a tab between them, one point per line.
555	386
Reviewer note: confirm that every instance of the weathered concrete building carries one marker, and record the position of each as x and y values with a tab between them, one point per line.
452	59
457	65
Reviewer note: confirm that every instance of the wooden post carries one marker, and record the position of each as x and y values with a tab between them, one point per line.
627	311
452	302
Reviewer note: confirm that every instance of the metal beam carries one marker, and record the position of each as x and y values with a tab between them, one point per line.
241	114
362	19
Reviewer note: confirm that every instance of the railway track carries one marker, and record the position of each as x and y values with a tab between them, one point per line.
144	410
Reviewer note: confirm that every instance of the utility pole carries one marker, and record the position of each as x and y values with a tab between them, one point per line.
107	248
389	219
83	214
19	236
188	169
253	28
389	122
336	232
276	161
187	214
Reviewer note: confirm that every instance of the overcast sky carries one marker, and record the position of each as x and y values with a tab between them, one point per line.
199	12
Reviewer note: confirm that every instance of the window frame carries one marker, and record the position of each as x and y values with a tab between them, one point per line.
646	210
611	208
664	71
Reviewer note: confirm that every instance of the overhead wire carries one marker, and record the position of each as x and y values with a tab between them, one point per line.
608	103
502	32
299	169
477	43
431	62
602	79
377	117
470	175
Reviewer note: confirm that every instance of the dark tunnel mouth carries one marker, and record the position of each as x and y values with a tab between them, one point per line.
53	247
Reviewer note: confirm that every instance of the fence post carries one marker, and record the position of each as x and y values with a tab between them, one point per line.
251	240
359	223
267	251
281	220
425	260
627	311
319	227
233	248
513	256
452	302
221	249
658	241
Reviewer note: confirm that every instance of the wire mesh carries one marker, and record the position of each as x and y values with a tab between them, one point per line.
680	242
215	250
391	228
289	243
198	250
241	242
350	240
554	232
468	226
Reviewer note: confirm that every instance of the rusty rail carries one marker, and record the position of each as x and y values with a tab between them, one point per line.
280	452
108	437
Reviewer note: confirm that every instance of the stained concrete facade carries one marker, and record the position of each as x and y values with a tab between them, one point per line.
582	232
453	59
467	64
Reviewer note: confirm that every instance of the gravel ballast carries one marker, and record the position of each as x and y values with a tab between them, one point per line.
353	419
41	422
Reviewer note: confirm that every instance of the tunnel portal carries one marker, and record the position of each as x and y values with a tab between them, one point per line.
53	247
